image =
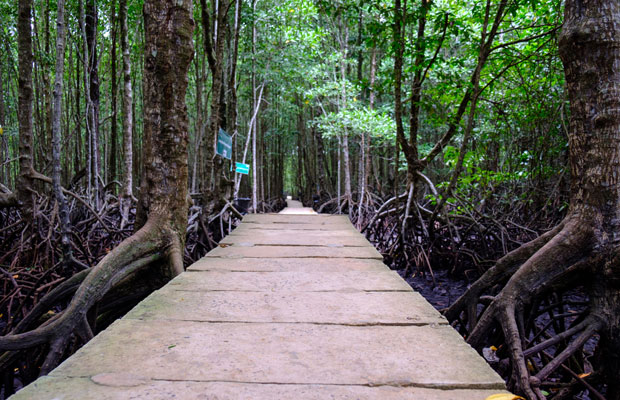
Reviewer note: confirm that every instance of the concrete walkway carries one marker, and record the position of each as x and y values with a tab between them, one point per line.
295	207
288	307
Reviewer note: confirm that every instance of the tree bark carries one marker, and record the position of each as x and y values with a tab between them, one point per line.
25	187
157	247
111	176
590	50
91	21
63	210
256	107
214	42
127	188
345	137
583	250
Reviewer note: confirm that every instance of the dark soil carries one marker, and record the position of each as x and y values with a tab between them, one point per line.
440	289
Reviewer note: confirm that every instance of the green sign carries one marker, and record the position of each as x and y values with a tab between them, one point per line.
242	168
224	144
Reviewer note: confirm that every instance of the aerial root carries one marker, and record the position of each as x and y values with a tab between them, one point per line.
526	273
135	253
497	274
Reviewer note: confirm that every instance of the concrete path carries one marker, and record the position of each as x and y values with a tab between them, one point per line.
288	307
295	207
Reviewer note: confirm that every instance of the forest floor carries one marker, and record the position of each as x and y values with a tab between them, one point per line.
442	292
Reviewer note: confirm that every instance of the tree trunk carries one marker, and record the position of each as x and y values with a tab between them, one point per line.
255	106
4	153
583	249
45	86
371	104
343	105
199	130
157	247
324	183
63	209
91	21
25	193
214	42
114	89
127	188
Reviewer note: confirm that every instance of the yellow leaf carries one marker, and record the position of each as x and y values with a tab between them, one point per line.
530	366
15	276
584	375
1	315
504	396
493	348
1	131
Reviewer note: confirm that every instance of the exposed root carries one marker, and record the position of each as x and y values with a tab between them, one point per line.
135	253
499	273
554	262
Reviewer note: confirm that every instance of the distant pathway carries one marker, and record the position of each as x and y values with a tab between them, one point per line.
294	307
295	207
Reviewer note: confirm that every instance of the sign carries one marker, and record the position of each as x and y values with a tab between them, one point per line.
224	144
242	168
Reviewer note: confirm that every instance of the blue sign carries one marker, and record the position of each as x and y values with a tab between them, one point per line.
224	144
242	168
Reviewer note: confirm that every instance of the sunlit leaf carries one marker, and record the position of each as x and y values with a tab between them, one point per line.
504	396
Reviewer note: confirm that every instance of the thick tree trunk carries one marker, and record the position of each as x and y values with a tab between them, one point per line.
232	86
157	247
583	250
590	50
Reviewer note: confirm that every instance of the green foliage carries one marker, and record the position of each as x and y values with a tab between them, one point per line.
357	121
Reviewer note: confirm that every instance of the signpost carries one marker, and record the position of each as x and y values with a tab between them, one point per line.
242	168
224	144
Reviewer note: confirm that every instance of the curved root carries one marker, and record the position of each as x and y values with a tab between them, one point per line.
135	253
536	268
500	272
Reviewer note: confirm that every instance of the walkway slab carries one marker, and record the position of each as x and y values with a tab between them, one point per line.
250	251
288	307
299	226
380	280
318	265
345	308
295	207
295	219
293	238
427	356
